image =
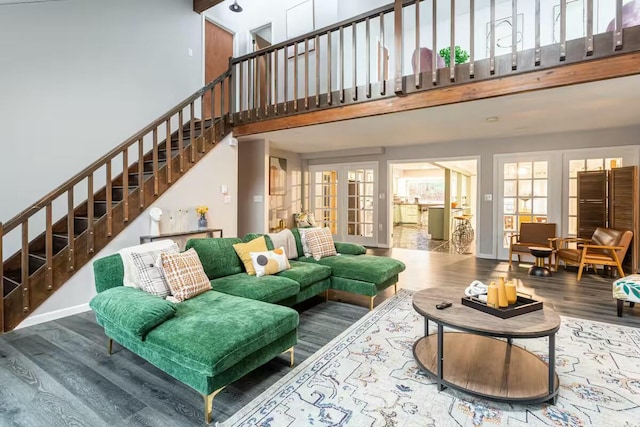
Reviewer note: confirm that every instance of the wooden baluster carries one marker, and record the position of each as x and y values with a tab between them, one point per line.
329	88
1	279
417	73
267	102
617	33
514	34
202	124
25	266
286	79
452	45
368	58
156	181
212	92
341	65
472	38
382	59
241	98
90	214
232	91
275	81
71	235
222	115
168	156
141	172
589	40
192	131
257	86
306	74
109	190
492	48
563	30
354	61
48	246
537	51
181	139
295	77
317	41
398	42
434	47
125	183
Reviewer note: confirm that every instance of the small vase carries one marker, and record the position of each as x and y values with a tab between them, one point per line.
202	223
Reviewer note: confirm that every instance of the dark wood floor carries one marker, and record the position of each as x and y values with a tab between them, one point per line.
58	373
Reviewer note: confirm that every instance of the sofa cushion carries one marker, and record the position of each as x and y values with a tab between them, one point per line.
367	268
320	242
150	274
266	288
306	273
226	328
244	252
350	248
185	275
133	310
270	262
218	257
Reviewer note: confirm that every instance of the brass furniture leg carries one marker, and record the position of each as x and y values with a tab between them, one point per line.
291	356
208	405
326	296
110	346
371	303
395	288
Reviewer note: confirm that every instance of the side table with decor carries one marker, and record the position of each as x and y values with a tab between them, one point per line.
183	236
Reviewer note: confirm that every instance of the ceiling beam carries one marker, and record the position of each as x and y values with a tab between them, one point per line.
200	6
581	72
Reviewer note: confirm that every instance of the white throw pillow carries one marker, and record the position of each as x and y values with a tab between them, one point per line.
131	278
150	274
270	262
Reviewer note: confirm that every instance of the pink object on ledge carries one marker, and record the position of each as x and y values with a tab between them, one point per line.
426	59
630	16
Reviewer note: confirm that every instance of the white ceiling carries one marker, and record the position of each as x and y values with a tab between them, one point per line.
599	105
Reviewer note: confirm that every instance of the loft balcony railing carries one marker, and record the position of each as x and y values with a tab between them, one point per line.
395	50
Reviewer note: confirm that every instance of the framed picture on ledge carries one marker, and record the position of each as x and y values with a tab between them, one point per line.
277	176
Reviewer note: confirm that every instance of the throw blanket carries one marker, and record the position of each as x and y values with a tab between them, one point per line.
286	240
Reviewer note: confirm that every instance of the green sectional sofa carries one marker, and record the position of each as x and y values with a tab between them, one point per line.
219	336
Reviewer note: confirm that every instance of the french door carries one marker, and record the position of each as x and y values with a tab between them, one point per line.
343	198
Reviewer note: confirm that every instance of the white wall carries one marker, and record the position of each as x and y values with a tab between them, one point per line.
78	77
253	187
200	186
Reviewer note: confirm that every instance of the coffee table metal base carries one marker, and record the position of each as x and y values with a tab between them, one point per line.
487	367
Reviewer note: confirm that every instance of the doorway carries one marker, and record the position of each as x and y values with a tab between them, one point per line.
434	205
261	38
218	48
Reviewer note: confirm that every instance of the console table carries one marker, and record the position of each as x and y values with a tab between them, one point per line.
208	233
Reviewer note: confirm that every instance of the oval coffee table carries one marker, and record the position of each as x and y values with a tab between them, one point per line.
475	361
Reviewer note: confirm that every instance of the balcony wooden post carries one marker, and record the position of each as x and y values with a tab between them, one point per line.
286	79
537	50
368	58
514	34
398	31
617	32
589	38
125	184
317	42
168	148
109	197
275	81
1	279
434	40
472	42
267	102
354	60
295	76
232	90
563	30
202	126
452	43
192	130
341	64
181	139
25	266
222	109
48	245
329	86
212	91
71	240
141	172
306	74
382	59
90	215
492	48
257	82
241	90
156	182
417	73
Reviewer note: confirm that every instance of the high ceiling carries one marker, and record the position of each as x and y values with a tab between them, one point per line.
599	105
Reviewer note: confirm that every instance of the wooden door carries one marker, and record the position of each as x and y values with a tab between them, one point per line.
623	207
592	202
262	64
218	48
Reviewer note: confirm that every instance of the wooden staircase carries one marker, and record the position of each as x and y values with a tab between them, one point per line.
149	168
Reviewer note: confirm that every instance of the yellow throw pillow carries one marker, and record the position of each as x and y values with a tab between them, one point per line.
244	252
270	262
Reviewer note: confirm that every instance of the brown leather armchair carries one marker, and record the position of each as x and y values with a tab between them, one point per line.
531	234
606	247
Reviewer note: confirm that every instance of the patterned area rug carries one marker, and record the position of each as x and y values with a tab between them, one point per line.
367	377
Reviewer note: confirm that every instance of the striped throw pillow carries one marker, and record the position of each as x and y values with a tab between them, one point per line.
320	243
185	275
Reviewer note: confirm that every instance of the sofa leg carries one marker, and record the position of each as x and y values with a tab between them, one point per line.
620	306
395	288
110	346
208	405
291	357
371	303
632	304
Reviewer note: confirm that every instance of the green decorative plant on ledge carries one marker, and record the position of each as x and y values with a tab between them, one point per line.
461	55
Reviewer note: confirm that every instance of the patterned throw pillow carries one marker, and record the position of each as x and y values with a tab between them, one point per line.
185	275
270	262
320	243
243	250
149	270
303	239
305	220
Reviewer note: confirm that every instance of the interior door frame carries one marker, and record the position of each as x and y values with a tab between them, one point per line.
343	198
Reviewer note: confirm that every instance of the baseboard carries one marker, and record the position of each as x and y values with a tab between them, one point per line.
486	256
53	315
383	245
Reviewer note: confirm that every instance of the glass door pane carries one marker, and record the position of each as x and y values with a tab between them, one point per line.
360	202
325	201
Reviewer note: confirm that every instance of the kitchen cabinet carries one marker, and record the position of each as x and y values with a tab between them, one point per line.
396	214
409	214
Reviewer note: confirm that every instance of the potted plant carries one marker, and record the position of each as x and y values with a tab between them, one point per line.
461	55
202	220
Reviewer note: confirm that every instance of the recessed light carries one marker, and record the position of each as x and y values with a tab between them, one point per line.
492	119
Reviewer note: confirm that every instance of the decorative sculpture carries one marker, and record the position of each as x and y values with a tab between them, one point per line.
154	228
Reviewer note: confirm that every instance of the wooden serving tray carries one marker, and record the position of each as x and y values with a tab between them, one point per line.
522	305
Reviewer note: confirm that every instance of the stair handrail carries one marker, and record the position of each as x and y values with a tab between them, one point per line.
84	173
333	27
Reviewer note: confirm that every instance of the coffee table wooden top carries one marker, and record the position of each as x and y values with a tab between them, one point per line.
531	325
